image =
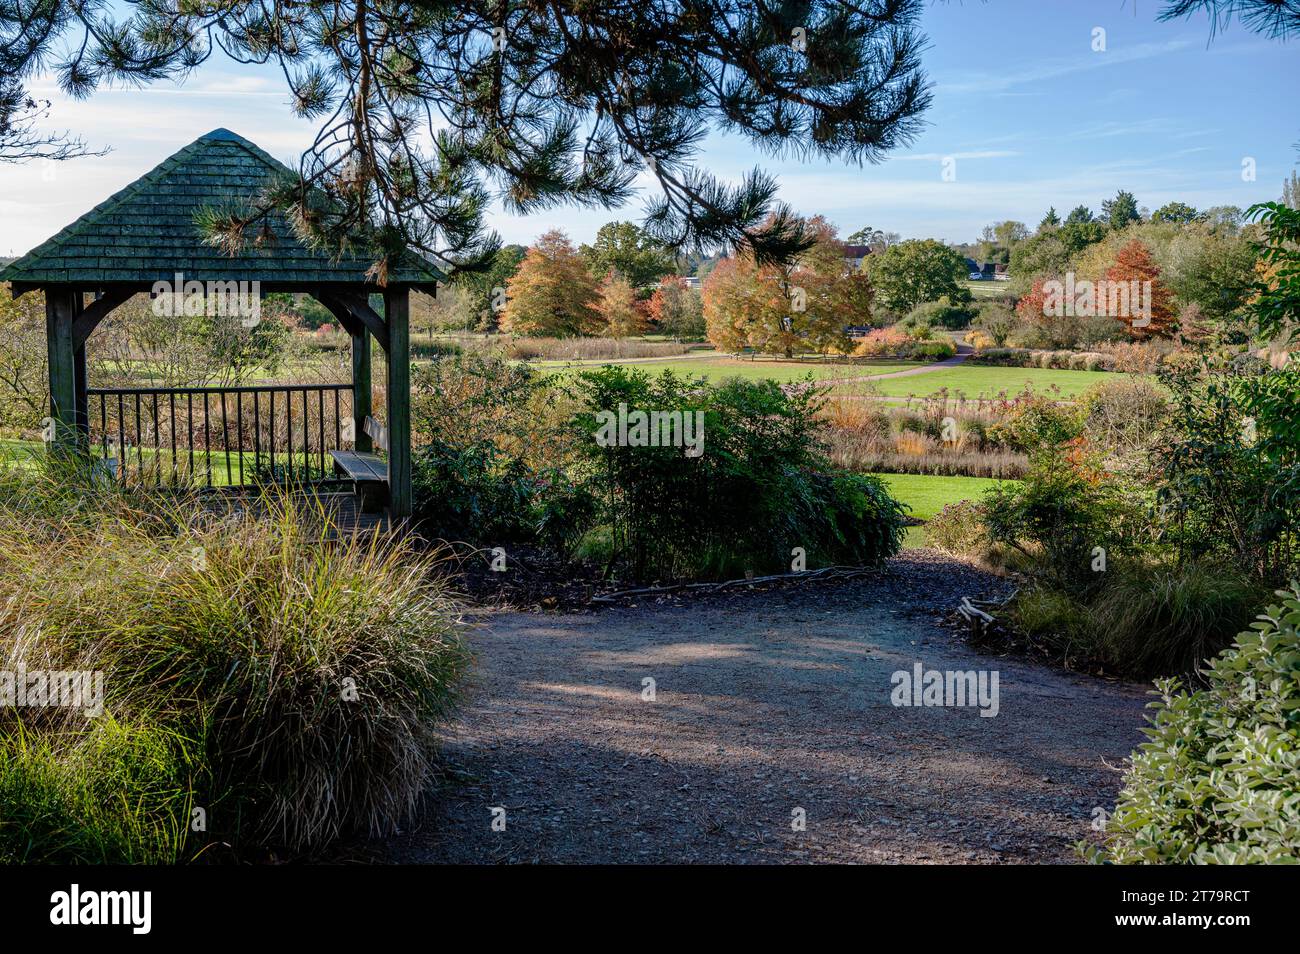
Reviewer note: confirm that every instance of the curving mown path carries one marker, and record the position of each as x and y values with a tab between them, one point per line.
964	351
767	704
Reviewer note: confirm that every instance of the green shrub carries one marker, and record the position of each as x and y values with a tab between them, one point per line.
852	519
1229	464
474	493
753	494
111	794
942	313
1216	781
939	349
1036	424
996	320
1123	417
1068	522
287	679
488	467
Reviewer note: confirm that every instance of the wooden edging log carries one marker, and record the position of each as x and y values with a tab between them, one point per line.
825	573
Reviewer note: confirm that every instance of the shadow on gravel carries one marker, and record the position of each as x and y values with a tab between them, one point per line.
767	708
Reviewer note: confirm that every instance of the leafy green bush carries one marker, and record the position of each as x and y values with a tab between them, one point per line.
1229	465
1036	424
1068	522
474	493
752	495
1216	781
995	320
917	344
852	519
938	349
488	467
942	313
284	678
1122	417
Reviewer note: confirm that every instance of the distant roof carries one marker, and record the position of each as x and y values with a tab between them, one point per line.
857	251
146	232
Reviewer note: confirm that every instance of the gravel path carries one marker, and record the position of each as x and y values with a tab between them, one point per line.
767	703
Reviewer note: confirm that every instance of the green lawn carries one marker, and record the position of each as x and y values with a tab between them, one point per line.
719	369
983	289
150	463
987	381
972	381
927	495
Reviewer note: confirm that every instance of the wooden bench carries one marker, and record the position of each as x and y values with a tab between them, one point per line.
368	472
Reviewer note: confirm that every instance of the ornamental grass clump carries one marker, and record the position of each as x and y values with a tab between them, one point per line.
268	681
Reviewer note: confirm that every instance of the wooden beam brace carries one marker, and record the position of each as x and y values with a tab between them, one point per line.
95	312
340	313
359	309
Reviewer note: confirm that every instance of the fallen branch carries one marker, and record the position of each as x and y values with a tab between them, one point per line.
825	573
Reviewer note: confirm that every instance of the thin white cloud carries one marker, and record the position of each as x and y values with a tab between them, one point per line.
993	82
941	156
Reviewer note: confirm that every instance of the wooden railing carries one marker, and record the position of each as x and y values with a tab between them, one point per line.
220	437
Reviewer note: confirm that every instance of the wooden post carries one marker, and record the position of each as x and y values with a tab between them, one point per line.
397	317
361	393
60	312
81	399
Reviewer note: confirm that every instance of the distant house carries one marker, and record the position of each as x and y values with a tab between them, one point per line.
1000	273
981	273
854	255
691	282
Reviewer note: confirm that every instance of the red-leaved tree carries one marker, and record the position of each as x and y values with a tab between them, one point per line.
1133	263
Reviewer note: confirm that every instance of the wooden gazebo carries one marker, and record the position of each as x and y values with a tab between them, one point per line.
146	234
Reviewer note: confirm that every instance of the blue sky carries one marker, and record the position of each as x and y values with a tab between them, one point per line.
1029	113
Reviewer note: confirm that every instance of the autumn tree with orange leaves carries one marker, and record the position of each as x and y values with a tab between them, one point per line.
619	308
800	308
552	293
1133	263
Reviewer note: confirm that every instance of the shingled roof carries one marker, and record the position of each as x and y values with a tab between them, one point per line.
147	232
